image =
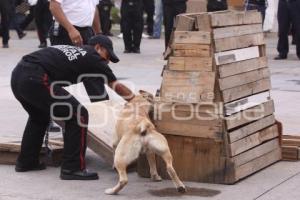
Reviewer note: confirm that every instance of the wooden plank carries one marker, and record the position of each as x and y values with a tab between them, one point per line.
189	87
291	142
184	23
291	137
245	103
233	31
203	22
225	44
190	63
246	90
258	164
253	140
236	55
249	115
102	127
191	50
220	19
250	128
290	153
244	78
256	152
242	67
192	37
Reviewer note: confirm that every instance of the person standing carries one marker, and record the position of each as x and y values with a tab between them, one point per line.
132	24
288	14
149	10
5	12
43	19
259	5
104	8
171	9
30	17
33	85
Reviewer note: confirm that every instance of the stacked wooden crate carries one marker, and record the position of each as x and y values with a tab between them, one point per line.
214	108
290	147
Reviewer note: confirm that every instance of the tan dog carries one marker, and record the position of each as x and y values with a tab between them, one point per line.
135	133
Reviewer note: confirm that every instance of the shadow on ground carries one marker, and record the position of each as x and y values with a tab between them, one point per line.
172	192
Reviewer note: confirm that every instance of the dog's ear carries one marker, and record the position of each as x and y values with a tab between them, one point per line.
147	95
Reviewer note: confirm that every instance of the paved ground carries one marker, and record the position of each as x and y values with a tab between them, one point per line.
279	181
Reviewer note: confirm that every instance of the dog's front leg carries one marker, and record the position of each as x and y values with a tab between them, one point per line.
152	164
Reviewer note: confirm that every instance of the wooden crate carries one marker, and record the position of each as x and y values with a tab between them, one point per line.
290	147
243	137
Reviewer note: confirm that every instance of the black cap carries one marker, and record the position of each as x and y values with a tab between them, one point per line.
107	44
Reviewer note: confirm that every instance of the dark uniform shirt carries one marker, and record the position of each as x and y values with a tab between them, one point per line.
69	63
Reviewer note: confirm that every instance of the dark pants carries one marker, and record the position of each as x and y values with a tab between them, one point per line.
13	18
259	8
43	19
149	9
28	19
5	15
132	23
288	14
104	11
94	87
31	86
170	12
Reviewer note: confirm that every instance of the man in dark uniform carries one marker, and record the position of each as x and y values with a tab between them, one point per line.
5	6
43	20
104	8
35	84
171	8
132	24
288	14
149	10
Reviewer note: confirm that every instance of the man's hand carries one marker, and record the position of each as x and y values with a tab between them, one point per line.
75	37
122	90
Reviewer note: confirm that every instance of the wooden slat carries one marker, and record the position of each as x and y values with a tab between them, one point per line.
290	153
220	19
256	152
225	44
191	50
184	23
190	63
245	103
246	90
203	22
236	55
249	115
190	87
291	142
232	31
192	37
251	128
242	67
244	78
196	6
253	140
258	164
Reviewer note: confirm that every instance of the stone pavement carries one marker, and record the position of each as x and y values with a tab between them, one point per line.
279	181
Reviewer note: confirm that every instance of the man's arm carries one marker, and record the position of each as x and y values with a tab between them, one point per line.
122	90
96	22
59	16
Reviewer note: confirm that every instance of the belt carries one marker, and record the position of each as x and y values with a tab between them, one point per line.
83	28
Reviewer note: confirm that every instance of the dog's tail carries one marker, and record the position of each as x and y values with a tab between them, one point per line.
143	126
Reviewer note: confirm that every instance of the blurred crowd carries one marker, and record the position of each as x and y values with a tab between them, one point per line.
137	18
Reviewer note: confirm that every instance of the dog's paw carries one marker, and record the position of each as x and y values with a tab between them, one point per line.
181	189
110	191
156	178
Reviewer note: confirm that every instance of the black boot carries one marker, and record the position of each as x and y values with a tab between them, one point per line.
78	175
22	168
